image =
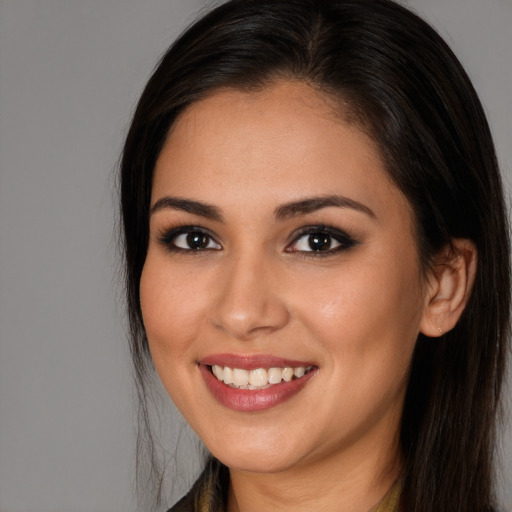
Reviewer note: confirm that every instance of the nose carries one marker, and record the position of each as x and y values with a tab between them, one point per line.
250	301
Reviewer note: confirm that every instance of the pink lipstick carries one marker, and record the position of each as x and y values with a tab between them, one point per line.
254	383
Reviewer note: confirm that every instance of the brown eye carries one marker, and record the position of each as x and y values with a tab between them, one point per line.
316	242
193	241
321	240
197	240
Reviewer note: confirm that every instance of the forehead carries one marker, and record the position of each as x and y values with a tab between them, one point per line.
282	142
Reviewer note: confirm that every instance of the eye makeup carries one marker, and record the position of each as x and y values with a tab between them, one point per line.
314	240
320	241
188	239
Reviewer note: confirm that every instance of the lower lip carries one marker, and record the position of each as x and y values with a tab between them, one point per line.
253	400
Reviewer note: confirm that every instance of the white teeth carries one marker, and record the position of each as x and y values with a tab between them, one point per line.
287	374
299	372
275	375
259	378
218	371
228	375
240	377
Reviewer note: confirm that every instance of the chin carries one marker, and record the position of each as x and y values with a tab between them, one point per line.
256	462
261	456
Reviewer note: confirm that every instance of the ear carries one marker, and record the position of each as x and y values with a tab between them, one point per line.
449	287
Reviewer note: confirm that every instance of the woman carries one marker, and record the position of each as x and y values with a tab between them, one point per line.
317	259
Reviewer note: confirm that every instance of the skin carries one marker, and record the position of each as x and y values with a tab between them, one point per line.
257	288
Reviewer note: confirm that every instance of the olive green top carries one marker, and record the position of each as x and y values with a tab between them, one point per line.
391	501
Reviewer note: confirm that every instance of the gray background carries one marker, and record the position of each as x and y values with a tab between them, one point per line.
70	74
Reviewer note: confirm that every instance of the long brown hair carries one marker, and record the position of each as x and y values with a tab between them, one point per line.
400	82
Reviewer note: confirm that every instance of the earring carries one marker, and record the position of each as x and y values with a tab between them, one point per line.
440	329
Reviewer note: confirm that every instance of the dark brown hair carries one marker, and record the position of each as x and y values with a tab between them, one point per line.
405	87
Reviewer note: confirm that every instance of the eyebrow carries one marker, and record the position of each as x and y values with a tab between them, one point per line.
285	211
313	204
188	205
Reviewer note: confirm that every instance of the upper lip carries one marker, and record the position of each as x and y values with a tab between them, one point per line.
252	362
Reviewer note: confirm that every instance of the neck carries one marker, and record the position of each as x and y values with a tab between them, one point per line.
346	484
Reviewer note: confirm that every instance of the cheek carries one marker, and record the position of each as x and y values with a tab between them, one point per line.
367	315
172	311
171	308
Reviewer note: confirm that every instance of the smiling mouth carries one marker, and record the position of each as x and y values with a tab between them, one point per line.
259	378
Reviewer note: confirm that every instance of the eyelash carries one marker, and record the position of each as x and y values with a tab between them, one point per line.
344	241
168	239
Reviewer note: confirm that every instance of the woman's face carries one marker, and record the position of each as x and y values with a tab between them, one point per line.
282	258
